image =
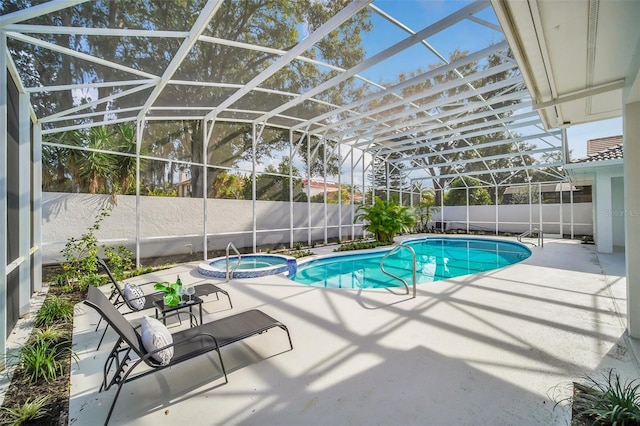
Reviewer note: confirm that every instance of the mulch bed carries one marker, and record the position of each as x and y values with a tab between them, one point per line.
22	389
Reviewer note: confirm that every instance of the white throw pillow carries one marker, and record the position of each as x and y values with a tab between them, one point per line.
135	296
154	336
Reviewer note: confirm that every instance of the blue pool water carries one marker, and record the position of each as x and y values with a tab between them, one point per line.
436	259
250	266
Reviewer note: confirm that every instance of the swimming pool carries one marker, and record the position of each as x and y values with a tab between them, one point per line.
436	259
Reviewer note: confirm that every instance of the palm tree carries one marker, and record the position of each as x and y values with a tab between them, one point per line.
124	167
54	165
425	209
96	165
385	219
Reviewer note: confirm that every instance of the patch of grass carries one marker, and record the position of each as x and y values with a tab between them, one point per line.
29	411
608	402
54	309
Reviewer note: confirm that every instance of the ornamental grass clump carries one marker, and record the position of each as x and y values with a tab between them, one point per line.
26	413
610	402
51	334
42	360
54	309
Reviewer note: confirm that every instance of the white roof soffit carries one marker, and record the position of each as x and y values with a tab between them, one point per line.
574	55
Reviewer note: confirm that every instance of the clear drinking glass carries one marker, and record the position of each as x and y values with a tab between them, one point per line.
190	290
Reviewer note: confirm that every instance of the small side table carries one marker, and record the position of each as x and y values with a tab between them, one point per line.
163	310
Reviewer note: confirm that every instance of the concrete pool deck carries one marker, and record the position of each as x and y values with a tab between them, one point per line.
496	348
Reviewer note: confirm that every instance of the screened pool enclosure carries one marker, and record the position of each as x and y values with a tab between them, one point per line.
267	125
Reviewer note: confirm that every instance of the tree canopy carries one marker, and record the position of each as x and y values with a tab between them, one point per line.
275	24
457	194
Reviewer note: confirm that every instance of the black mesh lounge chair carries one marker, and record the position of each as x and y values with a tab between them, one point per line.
117	293
118	298
128	352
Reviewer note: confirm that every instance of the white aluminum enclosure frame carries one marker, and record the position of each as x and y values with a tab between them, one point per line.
359	125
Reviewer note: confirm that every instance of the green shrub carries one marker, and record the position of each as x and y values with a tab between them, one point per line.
144	270
81	259
301	253
610	402
42	360
29	411
81	254
120	260
361	245
385	219
54	309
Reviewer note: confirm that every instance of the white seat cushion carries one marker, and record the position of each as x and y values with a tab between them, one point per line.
154	336
134	296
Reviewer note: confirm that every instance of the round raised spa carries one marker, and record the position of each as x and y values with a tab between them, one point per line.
251	266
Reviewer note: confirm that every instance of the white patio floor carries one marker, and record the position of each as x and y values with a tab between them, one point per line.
497	348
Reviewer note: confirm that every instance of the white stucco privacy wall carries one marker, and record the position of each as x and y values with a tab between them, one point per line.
517	218
176	225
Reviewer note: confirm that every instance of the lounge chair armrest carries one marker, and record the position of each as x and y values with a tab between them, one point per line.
145	283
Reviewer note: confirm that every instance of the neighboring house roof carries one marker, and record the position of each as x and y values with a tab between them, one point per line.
600	144
331	186
610	153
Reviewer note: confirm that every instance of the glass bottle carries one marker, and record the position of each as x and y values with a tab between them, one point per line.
179	288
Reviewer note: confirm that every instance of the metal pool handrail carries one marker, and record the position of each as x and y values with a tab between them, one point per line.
413	269
531	231
230	245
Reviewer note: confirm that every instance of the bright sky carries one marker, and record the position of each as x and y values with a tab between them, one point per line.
469	36
577	136
417	15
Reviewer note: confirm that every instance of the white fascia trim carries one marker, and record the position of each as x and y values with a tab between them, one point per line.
581	94
594	164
